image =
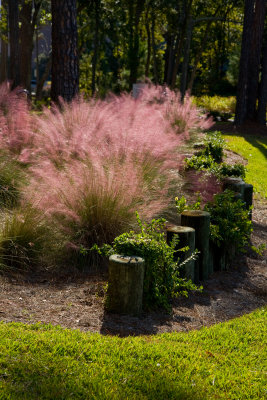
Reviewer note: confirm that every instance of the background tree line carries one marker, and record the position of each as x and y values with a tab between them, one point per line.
107	45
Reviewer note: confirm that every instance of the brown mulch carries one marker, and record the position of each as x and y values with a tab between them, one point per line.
79	303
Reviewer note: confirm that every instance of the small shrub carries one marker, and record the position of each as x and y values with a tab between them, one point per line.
201	162
236	170
214	146
162	280
230	223
182	205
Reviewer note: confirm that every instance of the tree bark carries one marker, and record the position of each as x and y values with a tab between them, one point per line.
242	87
28	21
255	58
186	57
261	117
13	20
96	45
65	61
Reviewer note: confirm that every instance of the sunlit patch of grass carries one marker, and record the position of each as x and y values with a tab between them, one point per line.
254	149
226	361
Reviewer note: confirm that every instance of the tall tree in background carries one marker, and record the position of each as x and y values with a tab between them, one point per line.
250	61
65	62
13	22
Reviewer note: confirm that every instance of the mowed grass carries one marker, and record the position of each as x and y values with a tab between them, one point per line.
254	149
226	361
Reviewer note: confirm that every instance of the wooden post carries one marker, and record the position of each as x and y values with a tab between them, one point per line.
218	255
200	221
125	284
235	184
248	197
186	236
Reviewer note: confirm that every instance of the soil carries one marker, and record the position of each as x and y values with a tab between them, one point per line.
78	302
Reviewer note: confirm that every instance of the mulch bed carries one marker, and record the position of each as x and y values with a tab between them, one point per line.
78	302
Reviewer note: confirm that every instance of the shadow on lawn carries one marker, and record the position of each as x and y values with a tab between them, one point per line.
30	379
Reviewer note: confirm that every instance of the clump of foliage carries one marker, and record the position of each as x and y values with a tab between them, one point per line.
209	159
214	145
230	223
12	179
16	131
217	106
162	280
99	161
25	239
182	205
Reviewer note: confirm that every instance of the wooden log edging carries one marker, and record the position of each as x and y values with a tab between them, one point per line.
200	221
186	236
125	284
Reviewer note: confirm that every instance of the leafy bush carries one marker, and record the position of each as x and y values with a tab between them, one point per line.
162	280
236	170
182	205
214	145
217	106
200	162
230	223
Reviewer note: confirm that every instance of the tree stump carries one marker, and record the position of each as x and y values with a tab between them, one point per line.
186	236
200	221
235	184
125	284
248	198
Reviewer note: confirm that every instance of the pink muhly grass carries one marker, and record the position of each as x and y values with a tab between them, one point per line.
98	162
16	132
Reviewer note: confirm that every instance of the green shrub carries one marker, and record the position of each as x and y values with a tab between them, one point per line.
200	162
230	223
181	204
214	146
217	106
162	280
236	170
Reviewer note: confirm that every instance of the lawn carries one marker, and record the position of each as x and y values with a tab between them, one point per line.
254	149
226	361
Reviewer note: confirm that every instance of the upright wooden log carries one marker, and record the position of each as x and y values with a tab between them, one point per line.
200	221
125	284
186	236
235	184
248	197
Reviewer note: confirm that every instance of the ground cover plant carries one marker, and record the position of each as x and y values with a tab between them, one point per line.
226	361
217	106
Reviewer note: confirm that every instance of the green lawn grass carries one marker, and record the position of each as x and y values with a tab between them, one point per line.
226	361
254	149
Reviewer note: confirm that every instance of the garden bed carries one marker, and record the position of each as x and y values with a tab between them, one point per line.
78	302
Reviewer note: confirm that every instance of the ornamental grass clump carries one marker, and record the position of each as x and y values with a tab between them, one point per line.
16	130
95	163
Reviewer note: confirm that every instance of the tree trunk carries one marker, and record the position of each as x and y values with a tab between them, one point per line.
241	98
156	77
148	46
255	58
96	45
65	61
261	117
186	57
13	19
